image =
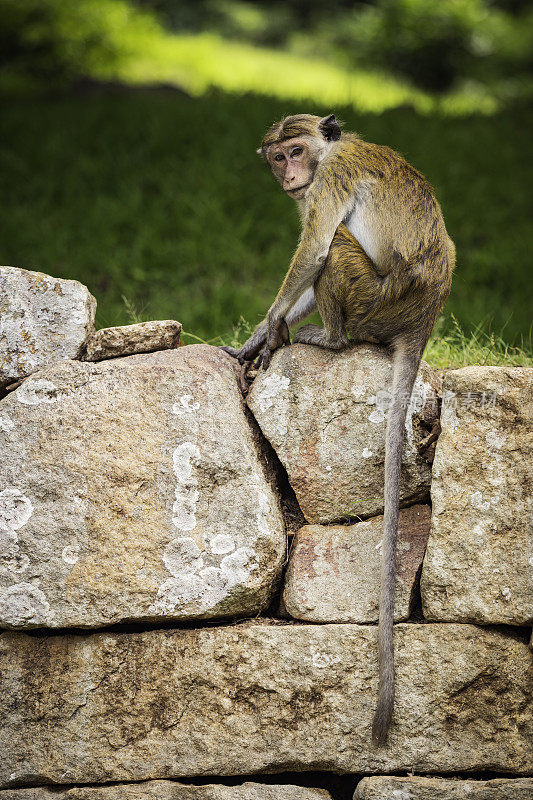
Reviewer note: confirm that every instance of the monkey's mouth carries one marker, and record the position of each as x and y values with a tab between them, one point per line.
298	188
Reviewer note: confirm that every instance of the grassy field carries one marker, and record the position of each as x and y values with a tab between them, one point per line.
160	198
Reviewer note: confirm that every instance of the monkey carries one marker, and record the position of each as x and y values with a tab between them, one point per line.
376	261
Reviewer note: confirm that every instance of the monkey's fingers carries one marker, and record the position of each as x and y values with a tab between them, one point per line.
267	357
244	379
241	355
232	351
432	438
278	337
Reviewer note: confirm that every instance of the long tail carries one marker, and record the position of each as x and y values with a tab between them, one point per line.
406	363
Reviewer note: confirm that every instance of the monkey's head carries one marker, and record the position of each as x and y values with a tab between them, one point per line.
295	146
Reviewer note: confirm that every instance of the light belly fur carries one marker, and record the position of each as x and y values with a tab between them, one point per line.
358	225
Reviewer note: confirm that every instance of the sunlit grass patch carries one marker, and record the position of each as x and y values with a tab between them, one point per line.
203	61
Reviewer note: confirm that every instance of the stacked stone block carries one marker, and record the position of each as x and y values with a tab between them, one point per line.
136	490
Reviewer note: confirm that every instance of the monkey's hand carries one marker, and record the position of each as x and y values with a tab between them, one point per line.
252	347
278	336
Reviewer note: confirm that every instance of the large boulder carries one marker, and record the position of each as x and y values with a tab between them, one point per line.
42	320
388	788
479	561
324	413
133	489
168	790
334	570
259	698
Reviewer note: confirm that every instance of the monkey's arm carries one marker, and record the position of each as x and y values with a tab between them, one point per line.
321	221
327	206
304	306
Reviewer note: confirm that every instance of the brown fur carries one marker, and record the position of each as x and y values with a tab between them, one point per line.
390	292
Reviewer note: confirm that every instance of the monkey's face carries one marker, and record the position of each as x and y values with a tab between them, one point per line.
293	163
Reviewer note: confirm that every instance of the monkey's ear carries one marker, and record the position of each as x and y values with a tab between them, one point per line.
330	128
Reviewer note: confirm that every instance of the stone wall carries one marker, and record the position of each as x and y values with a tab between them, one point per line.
170	632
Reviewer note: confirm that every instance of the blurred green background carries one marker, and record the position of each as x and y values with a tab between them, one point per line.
129	129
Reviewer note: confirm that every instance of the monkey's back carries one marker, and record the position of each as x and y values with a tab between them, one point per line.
397	221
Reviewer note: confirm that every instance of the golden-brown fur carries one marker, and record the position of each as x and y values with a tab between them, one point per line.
376	261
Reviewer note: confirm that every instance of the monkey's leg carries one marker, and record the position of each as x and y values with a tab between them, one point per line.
332	335
337	291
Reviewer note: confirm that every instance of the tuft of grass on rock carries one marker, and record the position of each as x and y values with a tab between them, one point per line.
455	348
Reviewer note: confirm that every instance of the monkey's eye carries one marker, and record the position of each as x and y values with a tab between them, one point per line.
279	157
297	151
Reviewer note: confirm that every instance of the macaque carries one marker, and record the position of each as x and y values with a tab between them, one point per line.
376	261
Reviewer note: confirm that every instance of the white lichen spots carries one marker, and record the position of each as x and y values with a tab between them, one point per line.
401	794
23	604
479	536
322	660
185	405
184	458
495	439
206	566
214	578
15	561
6	424
36	391
506	594
222	544
377	416
184	508
530	562
182	556
476	501
279	428
358	391
208	586
8	541
70	554
263	514
448	417
236	566
273	385
15	509
178	591
328	468
367	453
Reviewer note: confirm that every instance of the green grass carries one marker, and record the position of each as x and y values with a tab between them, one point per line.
160	198
454	348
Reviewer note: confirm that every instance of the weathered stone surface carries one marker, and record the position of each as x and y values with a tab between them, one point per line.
259	698
334	571
131	489
42	320
443	789
168	790
126	340
479	561
324	412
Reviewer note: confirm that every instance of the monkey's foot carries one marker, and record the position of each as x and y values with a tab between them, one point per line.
314	334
